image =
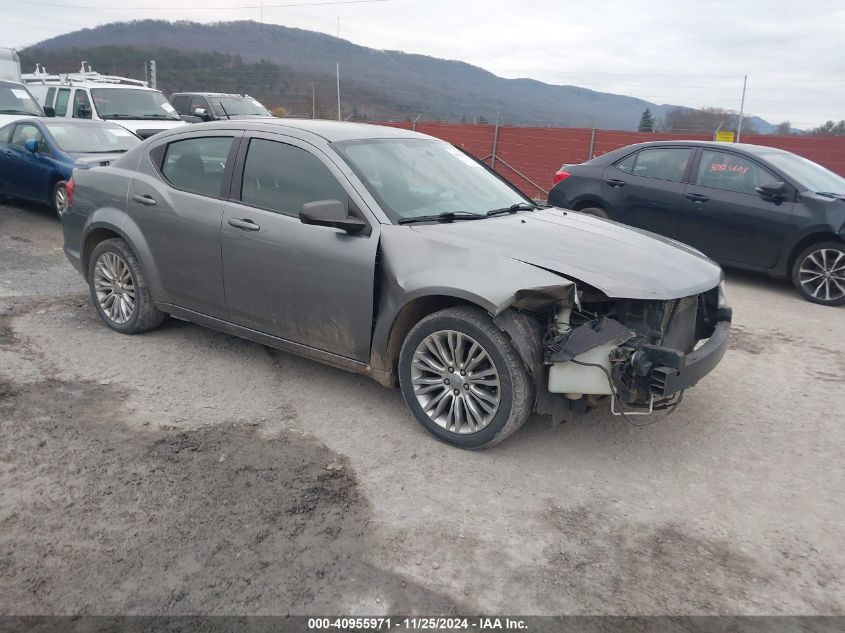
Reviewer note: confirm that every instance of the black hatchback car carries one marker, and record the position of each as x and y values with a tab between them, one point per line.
745	206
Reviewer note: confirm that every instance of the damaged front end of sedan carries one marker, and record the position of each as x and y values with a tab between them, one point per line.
641	354
630	330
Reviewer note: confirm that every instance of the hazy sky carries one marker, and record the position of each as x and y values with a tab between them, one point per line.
688	52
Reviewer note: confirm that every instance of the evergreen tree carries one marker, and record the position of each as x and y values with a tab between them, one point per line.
647	122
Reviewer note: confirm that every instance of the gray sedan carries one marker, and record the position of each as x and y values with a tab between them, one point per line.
398	256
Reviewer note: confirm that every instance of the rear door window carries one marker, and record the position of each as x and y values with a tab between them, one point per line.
731	172
61	101
197	165
663	163
51	93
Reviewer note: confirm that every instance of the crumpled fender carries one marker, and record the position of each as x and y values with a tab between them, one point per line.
412	266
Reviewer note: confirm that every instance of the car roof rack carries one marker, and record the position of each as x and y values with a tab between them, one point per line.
85	76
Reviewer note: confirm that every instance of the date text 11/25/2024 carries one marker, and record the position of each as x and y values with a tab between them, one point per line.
415	624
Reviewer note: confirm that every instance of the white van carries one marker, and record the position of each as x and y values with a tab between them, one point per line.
90	95
10	65
16	102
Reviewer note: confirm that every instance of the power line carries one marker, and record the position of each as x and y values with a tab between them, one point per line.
204	8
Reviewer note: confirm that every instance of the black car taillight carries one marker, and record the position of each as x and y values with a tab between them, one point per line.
560	175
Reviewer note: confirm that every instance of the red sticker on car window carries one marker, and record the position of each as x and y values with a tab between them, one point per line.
737	169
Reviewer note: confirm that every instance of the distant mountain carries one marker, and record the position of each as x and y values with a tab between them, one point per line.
286	66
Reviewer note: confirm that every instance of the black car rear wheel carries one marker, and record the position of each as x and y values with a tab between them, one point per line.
819	273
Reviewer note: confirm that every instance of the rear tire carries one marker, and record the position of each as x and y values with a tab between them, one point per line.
595	211
58	199
485	397
819	273
119	289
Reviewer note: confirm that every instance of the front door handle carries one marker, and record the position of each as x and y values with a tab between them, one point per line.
147	200
613	182
244	224
697	198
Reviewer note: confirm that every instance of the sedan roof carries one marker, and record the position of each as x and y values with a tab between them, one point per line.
747	147
330	131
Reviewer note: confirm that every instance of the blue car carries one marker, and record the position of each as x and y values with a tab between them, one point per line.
38	156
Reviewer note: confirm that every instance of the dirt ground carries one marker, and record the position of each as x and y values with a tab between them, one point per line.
186	471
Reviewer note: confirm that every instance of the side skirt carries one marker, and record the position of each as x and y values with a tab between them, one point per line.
327	358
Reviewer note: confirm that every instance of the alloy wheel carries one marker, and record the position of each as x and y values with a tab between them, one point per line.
822	274
455	382
60	200
114	287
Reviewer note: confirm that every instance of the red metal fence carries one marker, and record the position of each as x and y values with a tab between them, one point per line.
529	156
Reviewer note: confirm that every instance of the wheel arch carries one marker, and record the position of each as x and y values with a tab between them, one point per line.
384	359
804	243
585	202
105	227
56	177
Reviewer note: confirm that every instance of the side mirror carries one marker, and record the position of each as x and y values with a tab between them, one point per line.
50	111
772	190
330	213
202	113
31	145
83	112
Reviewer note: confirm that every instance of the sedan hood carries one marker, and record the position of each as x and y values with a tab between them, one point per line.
145	128
621	261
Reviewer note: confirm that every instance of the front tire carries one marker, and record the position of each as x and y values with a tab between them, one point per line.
819	273
119	290
463	380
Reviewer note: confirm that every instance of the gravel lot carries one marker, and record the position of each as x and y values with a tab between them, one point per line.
185	471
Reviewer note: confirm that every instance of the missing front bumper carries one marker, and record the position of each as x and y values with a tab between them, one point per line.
636	374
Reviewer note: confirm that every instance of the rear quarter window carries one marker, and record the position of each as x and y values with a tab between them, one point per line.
6	133
627	164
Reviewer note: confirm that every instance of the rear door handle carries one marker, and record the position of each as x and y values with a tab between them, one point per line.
244	224
697	198
146	199
613	182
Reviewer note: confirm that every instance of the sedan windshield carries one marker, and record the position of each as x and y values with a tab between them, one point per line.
18	101
811	175
237	106
128	103
75	138
412	178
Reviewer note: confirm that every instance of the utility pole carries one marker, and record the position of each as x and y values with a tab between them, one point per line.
338	73
338	91
495	142
741	110
153	74
313	102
